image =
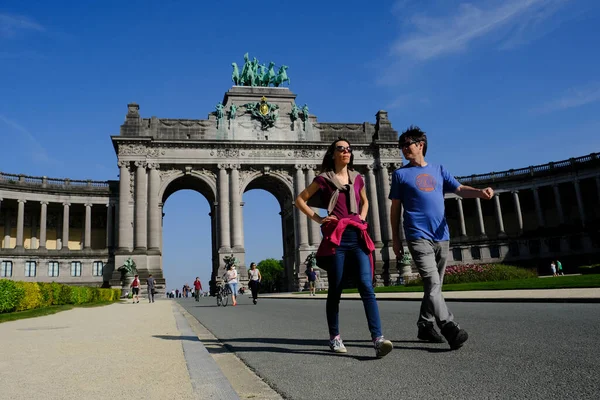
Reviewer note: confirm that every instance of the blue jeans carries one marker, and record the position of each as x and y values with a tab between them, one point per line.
351	254
233	288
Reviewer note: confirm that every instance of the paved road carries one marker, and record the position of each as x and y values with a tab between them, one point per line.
515	351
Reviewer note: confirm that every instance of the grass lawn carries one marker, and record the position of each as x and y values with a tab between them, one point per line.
560	282
40	312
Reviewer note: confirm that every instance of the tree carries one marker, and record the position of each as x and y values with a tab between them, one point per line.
271	271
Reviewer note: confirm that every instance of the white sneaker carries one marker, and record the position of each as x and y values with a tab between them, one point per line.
337	346
382	346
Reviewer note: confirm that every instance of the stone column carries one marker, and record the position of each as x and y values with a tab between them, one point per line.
302	239
153	208
538	206
236	208
109	226
384	179
374	205
461	216
515	194
314	229
65	227
141	208
20	222
7	228
34	238
559	209
224	237
87	238
125	242
579	201
43	223
499	219
480	216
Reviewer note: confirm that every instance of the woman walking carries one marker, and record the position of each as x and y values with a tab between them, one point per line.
231	279
135	289
346	243
255	278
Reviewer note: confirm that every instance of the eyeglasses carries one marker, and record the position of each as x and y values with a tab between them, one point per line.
342	149
407	144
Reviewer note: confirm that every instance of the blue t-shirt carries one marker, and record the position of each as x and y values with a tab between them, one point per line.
421	191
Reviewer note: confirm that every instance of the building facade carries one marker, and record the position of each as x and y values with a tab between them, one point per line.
258	138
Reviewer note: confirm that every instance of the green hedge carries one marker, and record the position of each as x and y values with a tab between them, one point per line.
589	269
20	296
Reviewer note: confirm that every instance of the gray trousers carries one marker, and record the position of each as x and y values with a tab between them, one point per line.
430	258
150	295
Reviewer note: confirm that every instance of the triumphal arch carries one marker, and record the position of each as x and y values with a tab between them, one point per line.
257	137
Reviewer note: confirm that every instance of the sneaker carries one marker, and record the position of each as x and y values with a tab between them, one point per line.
254	301
337	346
429	334
382	346
455	336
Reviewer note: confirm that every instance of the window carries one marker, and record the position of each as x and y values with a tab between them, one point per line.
494	251
513	248
98	268
6	270
76	268
457	253
475	253
53	268
30	268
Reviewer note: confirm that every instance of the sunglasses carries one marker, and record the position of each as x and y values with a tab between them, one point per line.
407	144
342	149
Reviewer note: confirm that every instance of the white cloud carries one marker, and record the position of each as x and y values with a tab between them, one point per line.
11	24
433	37
574	97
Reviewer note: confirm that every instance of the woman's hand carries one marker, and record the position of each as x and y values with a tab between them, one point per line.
328	218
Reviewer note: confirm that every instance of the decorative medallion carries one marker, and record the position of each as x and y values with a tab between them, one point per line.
264	111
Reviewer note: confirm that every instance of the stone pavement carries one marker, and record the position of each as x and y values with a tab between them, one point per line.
578	295
146	351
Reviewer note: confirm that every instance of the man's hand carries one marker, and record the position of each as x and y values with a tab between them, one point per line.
487	193
398	248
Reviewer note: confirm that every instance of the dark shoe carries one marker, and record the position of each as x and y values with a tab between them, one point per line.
429	334
255	301
455	336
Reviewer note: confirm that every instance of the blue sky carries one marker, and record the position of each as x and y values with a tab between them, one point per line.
495	84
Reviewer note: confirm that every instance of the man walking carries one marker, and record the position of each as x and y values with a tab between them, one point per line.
151	289
312	281
197	288
420	187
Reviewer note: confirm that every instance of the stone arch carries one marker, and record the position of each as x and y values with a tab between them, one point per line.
200	181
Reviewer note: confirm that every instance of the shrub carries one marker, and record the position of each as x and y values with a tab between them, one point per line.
589	269
10	293
47	294
483	273
32	297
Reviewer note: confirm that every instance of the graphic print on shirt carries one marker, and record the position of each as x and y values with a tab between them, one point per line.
425	183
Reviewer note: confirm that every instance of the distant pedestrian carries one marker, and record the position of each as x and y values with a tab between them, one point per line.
254	283
312	281
346	243
559	268
420	187
197	288
135	289
151	288
172	293
176	293
553	268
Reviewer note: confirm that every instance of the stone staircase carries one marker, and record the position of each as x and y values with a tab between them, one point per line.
160	284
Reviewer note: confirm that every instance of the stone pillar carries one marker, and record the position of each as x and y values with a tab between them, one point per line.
7	228
34	238
225	243
302	239
20	222
515	194
499	219
314	228
125	242
87	238
538	206
109	226
153	208
384	193
461	217
65	227
559	209
579	201
480	216
374	205
236	207
43	223
141	208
